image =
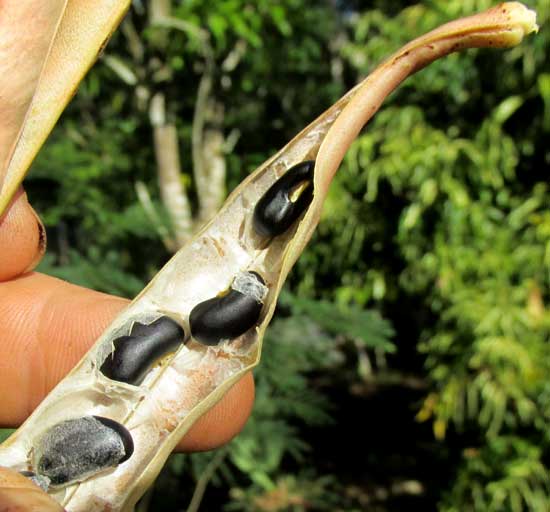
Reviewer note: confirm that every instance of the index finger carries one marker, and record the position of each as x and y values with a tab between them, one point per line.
48	324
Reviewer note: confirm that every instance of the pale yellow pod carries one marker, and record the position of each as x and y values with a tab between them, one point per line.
46	48
183	386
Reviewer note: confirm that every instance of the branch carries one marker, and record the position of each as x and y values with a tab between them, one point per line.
205	478
201	105
208	148
214	167
153	216
172	191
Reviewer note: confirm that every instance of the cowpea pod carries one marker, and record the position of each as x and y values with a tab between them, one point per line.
178	392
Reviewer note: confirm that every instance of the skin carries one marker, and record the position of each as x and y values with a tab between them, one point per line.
47	325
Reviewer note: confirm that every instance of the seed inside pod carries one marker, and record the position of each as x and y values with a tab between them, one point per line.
230	314
77	449
285	200
135	354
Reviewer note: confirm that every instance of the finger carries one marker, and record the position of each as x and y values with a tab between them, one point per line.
224	421
48	324
22	238
20	494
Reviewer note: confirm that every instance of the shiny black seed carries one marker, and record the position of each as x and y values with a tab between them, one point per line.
228	316
135	354
277	209
77	449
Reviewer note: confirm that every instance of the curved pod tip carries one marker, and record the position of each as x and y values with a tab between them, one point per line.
523	17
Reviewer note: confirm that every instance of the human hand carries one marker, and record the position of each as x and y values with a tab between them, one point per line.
47	326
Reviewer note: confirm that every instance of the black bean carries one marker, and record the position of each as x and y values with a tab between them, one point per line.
285	200
228	316
79	448
135	354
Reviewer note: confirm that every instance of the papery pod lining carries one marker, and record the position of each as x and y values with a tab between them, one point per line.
327	139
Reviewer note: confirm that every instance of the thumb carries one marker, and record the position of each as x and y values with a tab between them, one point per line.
20	494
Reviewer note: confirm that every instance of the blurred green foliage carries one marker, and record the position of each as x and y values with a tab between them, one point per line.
432	259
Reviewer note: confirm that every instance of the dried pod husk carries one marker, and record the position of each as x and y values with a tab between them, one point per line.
76	449
62	55
135	354
198	377
231	314
285	200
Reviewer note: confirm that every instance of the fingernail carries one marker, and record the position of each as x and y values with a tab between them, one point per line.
42	242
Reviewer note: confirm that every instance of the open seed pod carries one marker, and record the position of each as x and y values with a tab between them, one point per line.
198	326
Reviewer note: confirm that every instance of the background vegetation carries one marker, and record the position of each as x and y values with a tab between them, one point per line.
408	362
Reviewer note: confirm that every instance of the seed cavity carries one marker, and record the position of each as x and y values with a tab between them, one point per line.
76	449
134	355
285	200
231	313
